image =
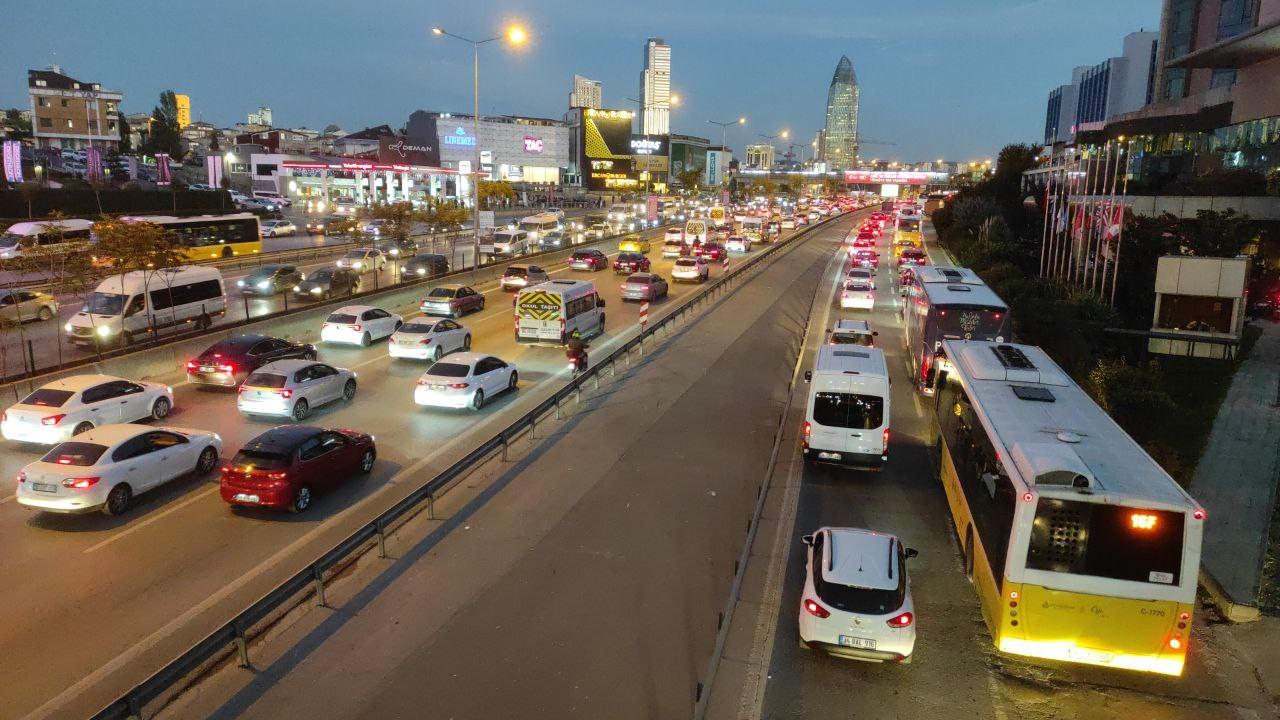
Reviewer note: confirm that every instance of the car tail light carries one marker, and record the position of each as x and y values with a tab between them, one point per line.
22	476
52	419
279	475
286	393
460	386
4	416
1198	514
80	483
192	366
816	610
355	327
885	440
427	341
901	621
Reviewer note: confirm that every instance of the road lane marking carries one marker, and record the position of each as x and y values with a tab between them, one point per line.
152	519
7	498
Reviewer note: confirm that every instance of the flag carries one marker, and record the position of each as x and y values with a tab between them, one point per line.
93	162
1112	222
13	161
213	167
162	169
1062	221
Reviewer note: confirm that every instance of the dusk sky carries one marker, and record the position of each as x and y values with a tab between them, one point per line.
941	78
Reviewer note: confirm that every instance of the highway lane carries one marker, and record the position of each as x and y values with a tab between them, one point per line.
50	347
586	580
82	589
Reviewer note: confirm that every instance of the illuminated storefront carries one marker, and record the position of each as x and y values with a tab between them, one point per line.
515	149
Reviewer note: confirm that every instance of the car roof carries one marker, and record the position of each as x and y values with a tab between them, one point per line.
646	275
853	325
76	383
239	341
462	358
353	309
286	366
283	438
111	434
861	558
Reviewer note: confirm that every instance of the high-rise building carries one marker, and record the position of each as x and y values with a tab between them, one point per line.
69	113
586	93
184	110
760	157
262	117
655	88
840	136
1097	93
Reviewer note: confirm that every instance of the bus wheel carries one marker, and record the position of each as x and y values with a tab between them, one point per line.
968	553
226	252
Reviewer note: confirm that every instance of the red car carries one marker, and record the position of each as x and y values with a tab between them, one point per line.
865	258
912	257
711	251
631	262
286	466
592	260
864	240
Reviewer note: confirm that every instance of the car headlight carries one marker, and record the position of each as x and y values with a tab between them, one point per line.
315	291
356	264
264	285
67	327
297	288
240	283
104	330
422	271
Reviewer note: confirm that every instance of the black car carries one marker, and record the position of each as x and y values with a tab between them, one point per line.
325	283
228	362
397	249
332	225
425	266
269	280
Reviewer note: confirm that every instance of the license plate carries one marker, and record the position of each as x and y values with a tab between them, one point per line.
436	387
208	369
857	642
246	498
44	487
828	456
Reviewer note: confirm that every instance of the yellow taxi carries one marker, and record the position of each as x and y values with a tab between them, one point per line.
633	243
901	245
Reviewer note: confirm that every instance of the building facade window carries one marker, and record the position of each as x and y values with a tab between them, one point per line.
1236	17
1222	77
42	102
46	122
1182	26
64	102
70	124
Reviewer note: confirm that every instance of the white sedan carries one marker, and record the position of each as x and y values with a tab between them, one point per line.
70	406
857	295
359	325
363	260
690	270
291	388
428	338
673	233
464	381
106	467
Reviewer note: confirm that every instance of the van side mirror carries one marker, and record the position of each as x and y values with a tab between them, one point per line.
599	302
875	333
807	540
808	375
912	552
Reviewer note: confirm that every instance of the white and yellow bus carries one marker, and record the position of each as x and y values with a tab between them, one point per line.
1081	547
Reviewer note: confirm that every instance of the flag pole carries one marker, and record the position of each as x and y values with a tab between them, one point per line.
1095	240
1115	271
1060	213
1044	233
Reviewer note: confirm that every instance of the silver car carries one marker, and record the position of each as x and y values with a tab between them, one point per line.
644	286
291	388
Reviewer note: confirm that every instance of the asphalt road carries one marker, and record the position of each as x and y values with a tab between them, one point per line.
584	579
82	590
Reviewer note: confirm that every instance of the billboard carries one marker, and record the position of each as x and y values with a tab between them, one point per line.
896	178
399	150
650	153
606	150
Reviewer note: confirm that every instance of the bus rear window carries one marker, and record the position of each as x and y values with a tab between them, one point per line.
969	322
1109	541
847	410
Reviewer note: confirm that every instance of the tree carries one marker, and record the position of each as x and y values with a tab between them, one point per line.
135	246
399	217
495	190
214	145
834	185
21	126
690	180
126	138
165	136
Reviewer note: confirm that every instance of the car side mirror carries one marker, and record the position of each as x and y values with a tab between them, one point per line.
875	333
912	552
808	375
600	302
807	540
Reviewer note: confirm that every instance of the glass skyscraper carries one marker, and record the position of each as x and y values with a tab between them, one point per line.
840	137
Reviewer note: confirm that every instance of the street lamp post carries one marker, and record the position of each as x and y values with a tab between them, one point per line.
724	126
515	35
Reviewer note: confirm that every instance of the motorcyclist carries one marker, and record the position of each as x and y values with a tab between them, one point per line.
577	351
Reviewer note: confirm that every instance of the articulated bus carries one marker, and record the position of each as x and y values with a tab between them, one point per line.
943	303
1080	546
207	237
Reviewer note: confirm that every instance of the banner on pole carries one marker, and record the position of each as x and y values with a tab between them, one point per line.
93	164
213	169
13	161
162	169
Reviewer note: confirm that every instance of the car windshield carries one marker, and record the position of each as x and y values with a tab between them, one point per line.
262	273
416	328
356	255
265	380
320	276
848	598
101	303
581	255
341	318
852	338
10	240
48	397
258	459
848	410
442	292
80	454
516	272
451	370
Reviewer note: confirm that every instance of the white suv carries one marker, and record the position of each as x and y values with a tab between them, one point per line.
857	597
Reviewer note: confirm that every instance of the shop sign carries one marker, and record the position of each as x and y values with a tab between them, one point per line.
532	145
460	137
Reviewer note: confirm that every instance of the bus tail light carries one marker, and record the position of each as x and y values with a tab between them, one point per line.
1028	497
816	610
884	441
1199	514
901	621
1175	643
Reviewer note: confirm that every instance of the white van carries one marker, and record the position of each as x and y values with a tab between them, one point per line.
273	197
695	231
129	306
510	242
537	226
44	232
847	417
549	313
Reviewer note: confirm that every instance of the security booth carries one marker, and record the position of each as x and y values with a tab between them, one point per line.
1200	306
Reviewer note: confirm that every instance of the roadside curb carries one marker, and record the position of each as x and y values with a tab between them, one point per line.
1230	610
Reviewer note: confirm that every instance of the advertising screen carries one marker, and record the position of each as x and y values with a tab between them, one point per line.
606	149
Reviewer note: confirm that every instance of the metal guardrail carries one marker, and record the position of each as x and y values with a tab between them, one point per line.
235	633
177	337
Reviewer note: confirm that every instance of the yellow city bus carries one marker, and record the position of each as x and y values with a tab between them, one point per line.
1080	546
906	233
208	237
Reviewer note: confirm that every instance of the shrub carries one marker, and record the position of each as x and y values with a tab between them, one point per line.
1134	395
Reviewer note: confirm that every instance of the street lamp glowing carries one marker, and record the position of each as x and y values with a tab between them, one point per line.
516	35
675	99
437	31
785	134
742	121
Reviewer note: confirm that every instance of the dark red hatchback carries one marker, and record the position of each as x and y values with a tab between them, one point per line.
286	466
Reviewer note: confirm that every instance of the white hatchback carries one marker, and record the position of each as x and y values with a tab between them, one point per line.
857	596
465	380
292	388
106	467
690	270
428	338
359	325
673	233
363	260
55	412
